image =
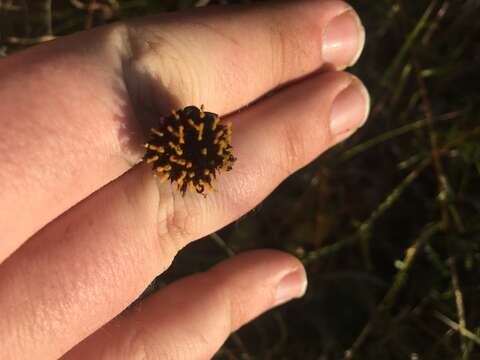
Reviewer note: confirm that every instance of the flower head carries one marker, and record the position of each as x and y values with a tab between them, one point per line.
189	148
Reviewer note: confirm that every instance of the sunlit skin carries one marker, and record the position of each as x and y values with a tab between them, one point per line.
86	225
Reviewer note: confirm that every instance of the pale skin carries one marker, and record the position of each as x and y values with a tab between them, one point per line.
85	227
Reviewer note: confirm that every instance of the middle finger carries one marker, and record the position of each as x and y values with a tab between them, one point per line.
83	269
223	57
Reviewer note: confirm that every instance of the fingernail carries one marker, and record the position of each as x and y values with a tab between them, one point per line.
343	40
350	109
292	285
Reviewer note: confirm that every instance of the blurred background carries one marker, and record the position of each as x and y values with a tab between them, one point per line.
387	223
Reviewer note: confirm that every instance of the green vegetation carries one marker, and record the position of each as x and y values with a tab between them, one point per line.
388	223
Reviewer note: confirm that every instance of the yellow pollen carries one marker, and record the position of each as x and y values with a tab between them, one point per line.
189	165
152	159
163	168
158	149
204	151
181	178
207	185
177	160
229	132
222	146
174	113
215	123
157	132
200	132
219	134
206	172
199	128
164	178
181	134
177	148
192	174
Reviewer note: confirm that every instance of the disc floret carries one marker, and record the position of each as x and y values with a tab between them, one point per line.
189	148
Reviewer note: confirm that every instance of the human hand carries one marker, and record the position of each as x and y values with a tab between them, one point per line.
84	230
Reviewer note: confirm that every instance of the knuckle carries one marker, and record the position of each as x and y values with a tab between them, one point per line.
174	221
137	347
293	149
154	56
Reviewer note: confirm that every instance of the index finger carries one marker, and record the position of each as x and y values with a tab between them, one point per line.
68	123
